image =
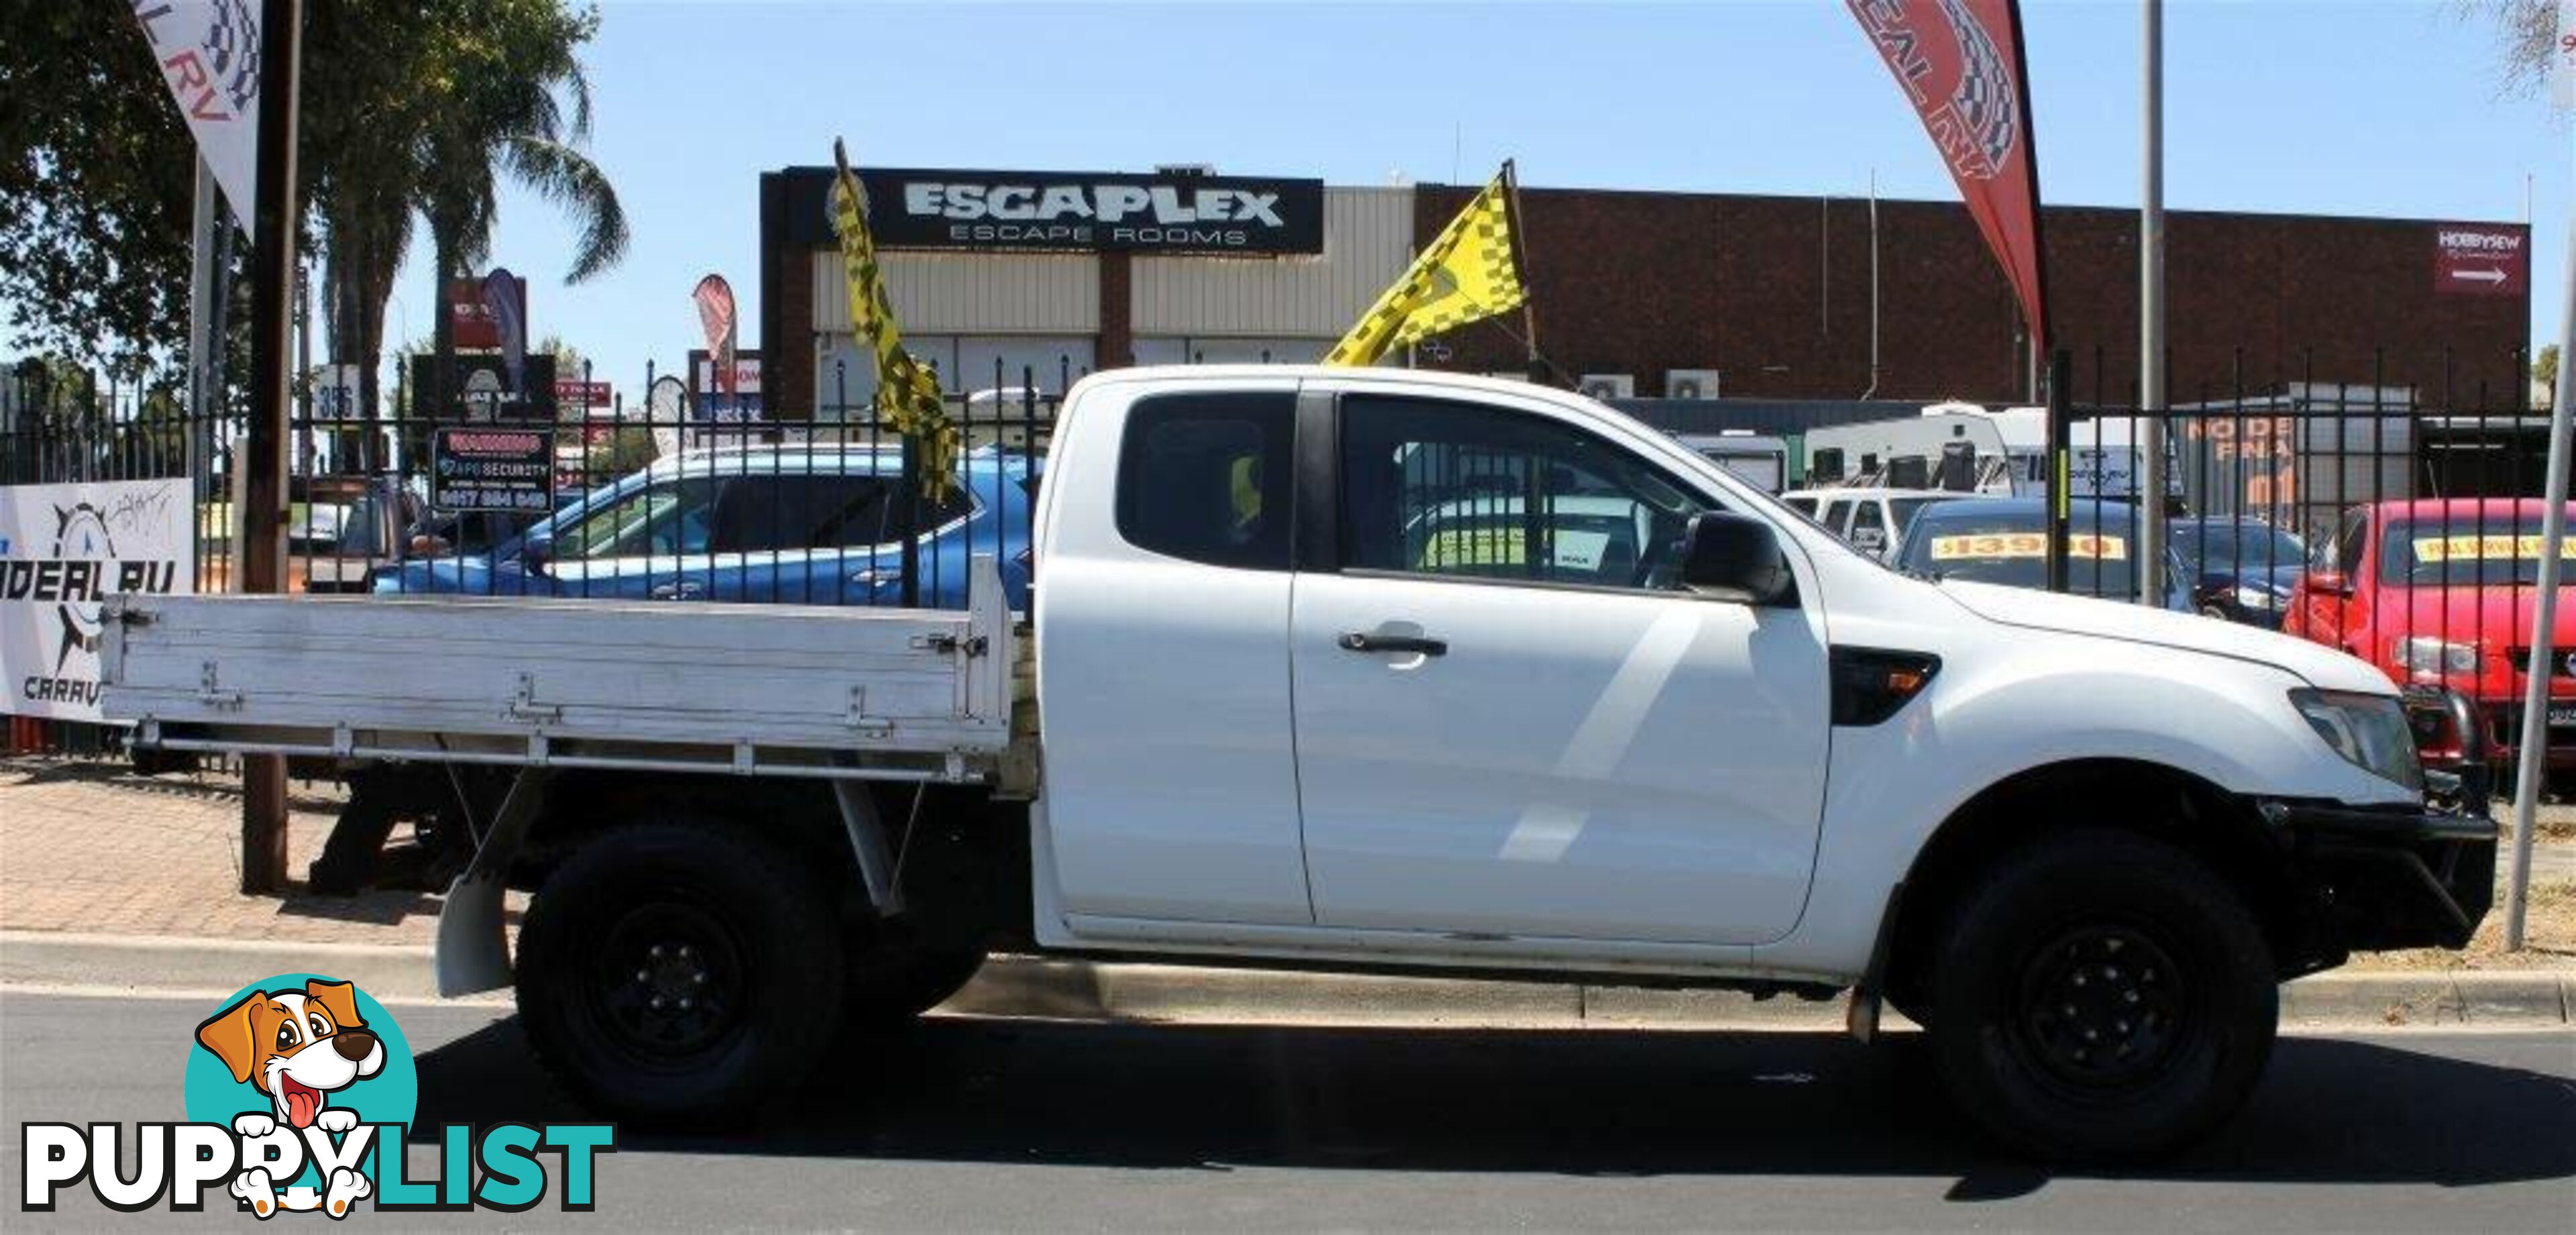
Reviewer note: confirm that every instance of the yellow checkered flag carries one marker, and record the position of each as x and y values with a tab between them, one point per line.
907	391
1469	273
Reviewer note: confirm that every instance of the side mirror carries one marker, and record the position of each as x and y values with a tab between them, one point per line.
537	552
1735	557
2329	583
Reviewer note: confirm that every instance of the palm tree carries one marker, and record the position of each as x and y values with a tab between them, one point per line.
510	70
436	106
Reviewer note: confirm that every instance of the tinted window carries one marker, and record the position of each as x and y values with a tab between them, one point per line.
1901	511
2348	543
664	518
798	512
1452	489
1836	515
1803	505
1205	477
1868	523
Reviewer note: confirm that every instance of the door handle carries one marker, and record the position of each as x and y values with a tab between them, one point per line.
1356	641
679	591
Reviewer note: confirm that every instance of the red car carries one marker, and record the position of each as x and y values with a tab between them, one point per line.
2442	592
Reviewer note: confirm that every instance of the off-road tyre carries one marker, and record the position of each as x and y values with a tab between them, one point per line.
2101	997
680	971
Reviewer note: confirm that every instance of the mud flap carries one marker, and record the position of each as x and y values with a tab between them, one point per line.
473	949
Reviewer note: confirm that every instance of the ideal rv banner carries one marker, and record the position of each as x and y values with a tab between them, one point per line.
64	549
1960	63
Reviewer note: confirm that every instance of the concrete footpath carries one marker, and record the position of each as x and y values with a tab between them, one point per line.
113	883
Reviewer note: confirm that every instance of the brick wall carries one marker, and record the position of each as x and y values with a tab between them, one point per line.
1776	293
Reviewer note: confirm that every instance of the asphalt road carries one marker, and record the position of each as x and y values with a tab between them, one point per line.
1024	1125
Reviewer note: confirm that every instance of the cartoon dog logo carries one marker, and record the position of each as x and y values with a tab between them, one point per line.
298	1048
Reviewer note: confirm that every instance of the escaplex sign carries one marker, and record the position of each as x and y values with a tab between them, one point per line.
1164	212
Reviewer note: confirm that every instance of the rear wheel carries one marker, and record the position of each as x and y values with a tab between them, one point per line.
2101	996
680	971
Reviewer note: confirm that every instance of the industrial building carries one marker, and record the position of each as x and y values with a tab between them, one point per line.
1634	294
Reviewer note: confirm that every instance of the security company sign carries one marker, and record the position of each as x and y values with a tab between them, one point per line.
64	549
1159	213
2473	259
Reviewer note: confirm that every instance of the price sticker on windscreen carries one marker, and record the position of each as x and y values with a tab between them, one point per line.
1995	546
2500	547
1493	546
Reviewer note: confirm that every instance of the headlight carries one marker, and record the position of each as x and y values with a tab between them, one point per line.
2369	731
2256	597
2416	654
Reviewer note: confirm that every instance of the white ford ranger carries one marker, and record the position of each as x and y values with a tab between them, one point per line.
1352	669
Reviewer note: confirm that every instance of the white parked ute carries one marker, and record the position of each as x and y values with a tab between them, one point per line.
1358	669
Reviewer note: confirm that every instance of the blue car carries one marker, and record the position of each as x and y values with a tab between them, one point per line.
2243	568
764	525
2005	540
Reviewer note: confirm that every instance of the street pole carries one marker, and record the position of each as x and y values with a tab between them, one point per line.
2149	435
203	341
263	517
2535	690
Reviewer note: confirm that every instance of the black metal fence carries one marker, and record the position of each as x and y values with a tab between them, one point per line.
2395	522
680	495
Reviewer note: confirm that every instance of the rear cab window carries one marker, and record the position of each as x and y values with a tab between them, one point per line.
1205	477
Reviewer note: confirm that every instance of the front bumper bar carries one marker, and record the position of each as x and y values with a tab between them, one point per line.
2379	878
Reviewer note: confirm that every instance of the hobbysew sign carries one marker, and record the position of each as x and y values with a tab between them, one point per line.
2481	259
64	549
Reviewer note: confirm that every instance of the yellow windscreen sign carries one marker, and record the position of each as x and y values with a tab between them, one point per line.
1468	547
2494	547
1990	546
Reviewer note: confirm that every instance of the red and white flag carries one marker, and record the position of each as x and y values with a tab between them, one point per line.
208	54
715	315
1961	63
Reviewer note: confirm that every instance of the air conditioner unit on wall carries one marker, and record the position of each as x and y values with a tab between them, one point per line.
1609	386
1691	383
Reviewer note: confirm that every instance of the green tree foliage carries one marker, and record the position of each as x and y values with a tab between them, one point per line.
95	186
2525	31
398	99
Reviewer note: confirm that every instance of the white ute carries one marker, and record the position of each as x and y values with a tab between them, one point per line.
1364	669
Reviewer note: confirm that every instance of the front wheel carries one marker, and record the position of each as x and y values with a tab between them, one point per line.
683	970
2102	997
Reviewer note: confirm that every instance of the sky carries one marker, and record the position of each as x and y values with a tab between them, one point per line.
2374	108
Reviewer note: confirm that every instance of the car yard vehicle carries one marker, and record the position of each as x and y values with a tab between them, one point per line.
2239	568
1760	459
1253	722
773	524
1873	520
2005	540
2444	592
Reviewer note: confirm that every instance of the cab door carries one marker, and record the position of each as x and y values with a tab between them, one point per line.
1508	719
1163	683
